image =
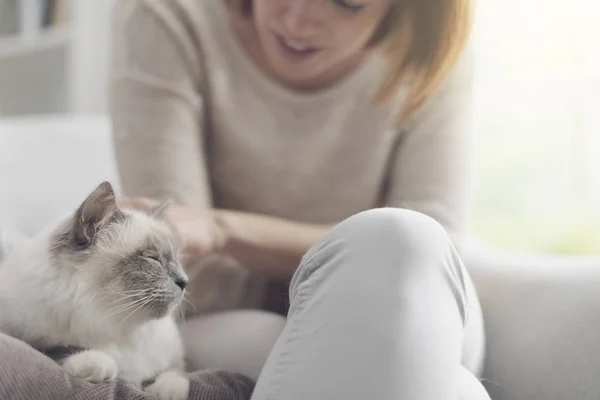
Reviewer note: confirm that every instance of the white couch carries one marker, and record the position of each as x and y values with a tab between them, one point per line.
542	312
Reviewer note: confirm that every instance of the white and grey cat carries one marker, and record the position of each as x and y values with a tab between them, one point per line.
107	280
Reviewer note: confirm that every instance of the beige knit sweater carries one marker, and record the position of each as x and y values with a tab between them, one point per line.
197	121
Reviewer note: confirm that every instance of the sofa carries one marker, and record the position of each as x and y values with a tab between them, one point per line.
542	312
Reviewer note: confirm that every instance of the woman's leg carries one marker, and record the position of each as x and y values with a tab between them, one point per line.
382	309
234	341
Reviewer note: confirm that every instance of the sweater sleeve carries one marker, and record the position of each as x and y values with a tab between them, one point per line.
156	105
432	169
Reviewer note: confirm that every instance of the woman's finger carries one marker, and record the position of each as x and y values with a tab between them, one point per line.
142	203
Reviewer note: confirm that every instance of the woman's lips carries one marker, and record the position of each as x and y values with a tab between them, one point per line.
293	50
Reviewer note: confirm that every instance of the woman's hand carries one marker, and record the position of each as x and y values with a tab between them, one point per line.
268	245
198	231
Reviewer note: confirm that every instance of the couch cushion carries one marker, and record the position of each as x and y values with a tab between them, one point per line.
542	314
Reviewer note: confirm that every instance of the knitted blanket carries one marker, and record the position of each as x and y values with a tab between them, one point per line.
27	374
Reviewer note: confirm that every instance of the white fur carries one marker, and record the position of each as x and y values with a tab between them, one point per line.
92	365
170	385
48	305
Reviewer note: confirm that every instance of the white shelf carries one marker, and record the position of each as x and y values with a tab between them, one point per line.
63	68
18	46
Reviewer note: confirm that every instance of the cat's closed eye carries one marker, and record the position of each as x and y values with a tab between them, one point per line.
151	255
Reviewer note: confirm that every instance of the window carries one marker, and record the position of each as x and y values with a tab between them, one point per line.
538	125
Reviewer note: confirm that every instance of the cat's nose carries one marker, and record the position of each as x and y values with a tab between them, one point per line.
181	282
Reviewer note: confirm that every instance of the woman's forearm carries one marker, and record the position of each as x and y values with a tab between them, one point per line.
269	245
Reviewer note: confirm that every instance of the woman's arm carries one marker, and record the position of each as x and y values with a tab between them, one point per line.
270	245
433	168
155	106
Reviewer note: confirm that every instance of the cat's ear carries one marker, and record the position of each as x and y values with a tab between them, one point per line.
159	211
96	209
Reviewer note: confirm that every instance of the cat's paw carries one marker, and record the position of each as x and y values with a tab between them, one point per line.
91	365
170	385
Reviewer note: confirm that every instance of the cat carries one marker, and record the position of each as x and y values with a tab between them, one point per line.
107	280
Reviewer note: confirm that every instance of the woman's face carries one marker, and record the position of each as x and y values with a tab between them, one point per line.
310	41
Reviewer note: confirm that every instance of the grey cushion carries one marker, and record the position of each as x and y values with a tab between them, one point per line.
27	374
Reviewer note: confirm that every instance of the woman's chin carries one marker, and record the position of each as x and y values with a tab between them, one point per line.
296	74
302	78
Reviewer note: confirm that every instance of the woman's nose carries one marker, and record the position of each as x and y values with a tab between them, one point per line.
300	19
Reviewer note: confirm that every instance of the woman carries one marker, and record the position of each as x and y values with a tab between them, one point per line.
280	128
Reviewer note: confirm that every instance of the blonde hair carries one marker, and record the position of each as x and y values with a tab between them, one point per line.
422	40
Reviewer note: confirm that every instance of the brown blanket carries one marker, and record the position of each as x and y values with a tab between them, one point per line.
27	374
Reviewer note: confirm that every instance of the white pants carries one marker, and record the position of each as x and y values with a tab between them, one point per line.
382	308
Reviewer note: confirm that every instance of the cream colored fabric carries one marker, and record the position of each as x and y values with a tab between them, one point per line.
237	341
195	120
381	308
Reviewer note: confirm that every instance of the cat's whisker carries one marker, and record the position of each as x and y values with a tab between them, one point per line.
124	306
127	306
128	309
129	296
120	311
118	307
185	298
127	292
94	296
139	289
150	298
121	298
180	308
188	302
180	313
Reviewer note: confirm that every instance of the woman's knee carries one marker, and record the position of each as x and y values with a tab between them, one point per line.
383	243
393	227
386	232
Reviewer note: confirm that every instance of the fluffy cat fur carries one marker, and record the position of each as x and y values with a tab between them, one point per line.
106	280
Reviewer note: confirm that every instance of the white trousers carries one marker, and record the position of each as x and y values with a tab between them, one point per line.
382	308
